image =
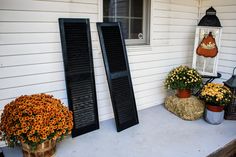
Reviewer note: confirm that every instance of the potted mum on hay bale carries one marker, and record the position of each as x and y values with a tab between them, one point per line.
183	79
216	96
36	122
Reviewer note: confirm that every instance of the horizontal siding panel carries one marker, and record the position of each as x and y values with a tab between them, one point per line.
34	38
227	63
225	69
39	88
157	57
174	42
180	2
100	79
228	50
4	102
161	49
158	70
29	38
102	87
103	95
73	1
192	3
173	35
227	16
148	86
31	70
29	49
146	93
60	94
105	110
229	36
228	43
34	16
150	78
47	6
225	9
153	64
161	6
137	53
230	57
57	94
175	7
228	23
138	48
30	59
218	3
99	71
176	21
56	88
150	99
175	14
15	82
20	60
229	30
32	27
165	28
175	48
141	91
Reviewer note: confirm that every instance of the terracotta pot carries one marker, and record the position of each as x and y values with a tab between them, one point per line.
215	108
183	93
45	149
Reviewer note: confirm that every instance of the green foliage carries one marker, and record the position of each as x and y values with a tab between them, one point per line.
183	77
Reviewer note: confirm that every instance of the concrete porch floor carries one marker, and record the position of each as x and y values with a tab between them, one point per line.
159	134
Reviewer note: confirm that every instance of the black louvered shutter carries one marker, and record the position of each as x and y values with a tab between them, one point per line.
79	74
118	75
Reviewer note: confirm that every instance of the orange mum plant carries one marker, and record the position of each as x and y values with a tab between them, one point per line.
33	119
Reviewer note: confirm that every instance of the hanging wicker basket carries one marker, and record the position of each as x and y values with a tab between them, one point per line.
45	149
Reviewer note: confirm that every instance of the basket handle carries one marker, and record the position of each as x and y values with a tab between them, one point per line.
233	71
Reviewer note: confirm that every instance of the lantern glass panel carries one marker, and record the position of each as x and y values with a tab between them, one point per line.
231	108
206	65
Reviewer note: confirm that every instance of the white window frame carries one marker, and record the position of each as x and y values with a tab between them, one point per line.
146	24
198	38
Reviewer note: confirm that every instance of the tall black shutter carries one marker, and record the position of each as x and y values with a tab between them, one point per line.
79	74
118	74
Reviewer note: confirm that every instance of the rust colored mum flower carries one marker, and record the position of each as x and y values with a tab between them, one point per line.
33	119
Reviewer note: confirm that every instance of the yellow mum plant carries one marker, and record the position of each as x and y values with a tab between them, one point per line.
216	94
33	119
183	77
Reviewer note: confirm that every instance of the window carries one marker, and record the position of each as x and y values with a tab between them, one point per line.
133	17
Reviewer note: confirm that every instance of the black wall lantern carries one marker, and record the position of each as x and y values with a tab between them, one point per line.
230	112
210	19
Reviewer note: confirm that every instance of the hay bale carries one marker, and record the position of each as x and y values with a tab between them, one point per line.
186	108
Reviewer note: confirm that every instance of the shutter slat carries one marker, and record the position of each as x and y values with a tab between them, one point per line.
118	75
79	74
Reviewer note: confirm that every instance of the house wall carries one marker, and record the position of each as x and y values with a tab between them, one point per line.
31	58
226	12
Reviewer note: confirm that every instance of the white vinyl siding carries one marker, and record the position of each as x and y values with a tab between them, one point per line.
30	50
172	38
